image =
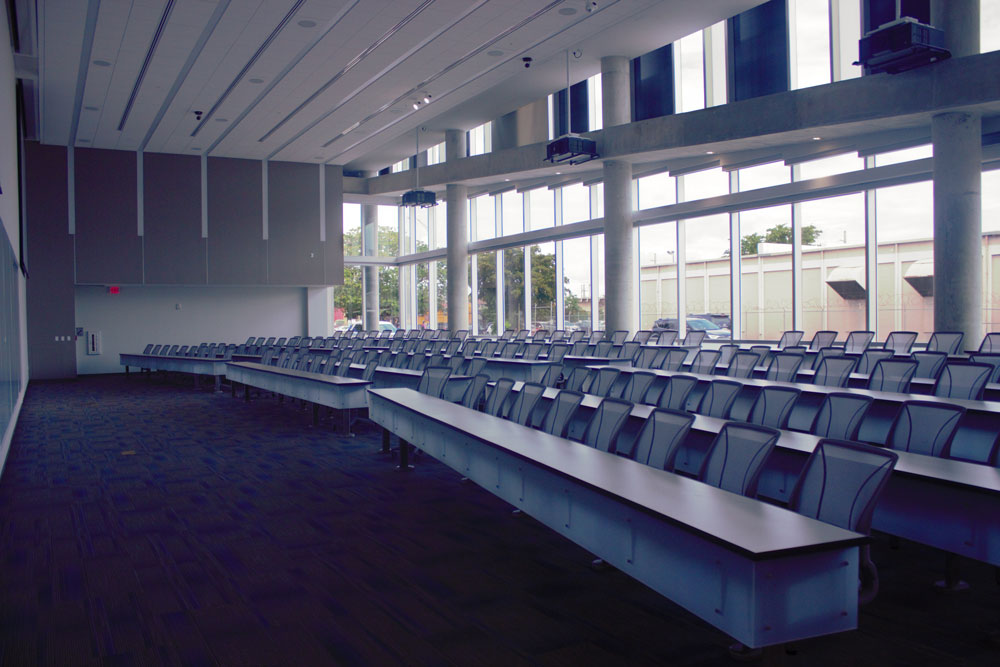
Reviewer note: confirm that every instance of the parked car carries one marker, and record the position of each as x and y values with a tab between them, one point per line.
712	330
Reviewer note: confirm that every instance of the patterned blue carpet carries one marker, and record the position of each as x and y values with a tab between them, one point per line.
147	523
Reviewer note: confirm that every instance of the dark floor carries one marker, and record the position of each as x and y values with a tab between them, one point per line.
151	522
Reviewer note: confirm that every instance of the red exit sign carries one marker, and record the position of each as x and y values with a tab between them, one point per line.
114	289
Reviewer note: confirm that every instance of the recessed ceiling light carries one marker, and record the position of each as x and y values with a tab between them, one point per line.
416	105
255	80
90	108
307	23
709	152
221	120
558	173
495	53
102	63
506	179
567	11
817	138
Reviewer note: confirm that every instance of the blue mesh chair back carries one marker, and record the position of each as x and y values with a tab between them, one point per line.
475	366
646	356
576	336
561	411
963	380
419	361
155	350
452	347
666	338
433	380
579	379
456	363
436	359
661	435
265	359
736	457
790	338
173	350
642	336
540	336
618	337
900	342
605	424
524	403
674	360
469	349
870	357
764	352
511	349
628	350
281	341
522	334
892	375
294	341
557	351
385	358
675	394
473	396
772	406
990	344
344	367
488	349
507	334
922	427
834	371
602	381
461	334
637	386
718	399
784	367
822	339
858	341
991	359
282	360
604	348
552	375
742	364
694	338
705	361
498	397
531	351
400	360
558	335
726	353
929	364
369	373
579	348
948	342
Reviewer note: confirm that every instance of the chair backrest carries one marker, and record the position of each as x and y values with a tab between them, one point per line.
433	380
789	338
822	339
991	359
522	334
949	342
784	367
666	338
618	337
557	335
560	411
674	360
604	348
557	351
628	349
675	394
642	336
870	357
925	428
155	350
742	364
511	349
452	348
736	457
637	386
841	483
645	357
705	361
344	367
461	334
726	353
541	335
281	342
576	336
660	437
694	337
475	366
990	344
605	423
858	341
963	380
834	371
469	349
602	381
531	351
456	364
369	372
473	396
929	364
173	350
892	375
579	348
149	348
498	396
596	337
772	406
294	341
900	342
524	403
718	398
552	374
579	379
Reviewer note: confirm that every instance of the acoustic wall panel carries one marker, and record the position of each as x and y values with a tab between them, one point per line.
334	180
294	250
237	252
108	246
174	250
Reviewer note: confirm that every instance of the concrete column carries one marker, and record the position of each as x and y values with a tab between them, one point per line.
958	246
619	259
616	97
959	19
455	145
369	225
458	257
318	315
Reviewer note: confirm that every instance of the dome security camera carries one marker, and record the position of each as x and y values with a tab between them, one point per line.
527	61
590	6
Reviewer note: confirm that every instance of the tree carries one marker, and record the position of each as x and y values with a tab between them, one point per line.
780	233
543	281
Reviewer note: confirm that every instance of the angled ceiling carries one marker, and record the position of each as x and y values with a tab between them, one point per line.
329	81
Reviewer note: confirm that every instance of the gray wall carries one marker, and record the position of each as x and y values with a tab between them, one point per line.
173	248
108	246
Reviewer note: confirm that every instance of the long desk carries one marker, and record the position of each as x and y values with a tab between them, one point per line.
194	365
759	573
520	370
338	393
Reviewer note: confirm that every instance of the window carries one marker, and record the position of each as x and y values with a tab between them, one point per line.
388	231
689	70
577	288
486	284
480	139
542	260
810	36
347	309
352	229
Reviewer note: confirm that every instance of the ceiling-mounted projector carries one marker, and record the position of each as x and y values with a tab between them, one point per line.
571	148
421	198
901	45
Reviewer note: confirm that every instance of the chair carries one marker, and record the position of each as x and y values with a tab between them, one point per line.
789	338
433	380
991	359
488	349
892	375
646	356
736	457
540	336
595	337
605	424
531	351
557	336
726	353
604	348
870	357
522	335
369	373
579	379
579	348
834	371
949	342
495	401
602	380
511	349
344	367
557	351
524	403
469	349
576	336
560	412
990	344
840	484
900	342
922	427
661	435
705	362
667	338
628	350
784	367
155	351
772	406
642	336
675	394
694	338
475	366
763	351
637	386
929	364
461	334
822	339
674	360
963	380
618	337
507	334
742	365
473	395
552	375
719	398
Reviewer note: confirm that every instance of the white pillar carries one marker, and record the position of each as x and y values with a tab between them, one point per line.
619	259
458	257
616	105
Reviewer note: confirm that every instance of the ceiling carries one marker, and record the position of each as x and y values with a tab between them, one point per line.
321	81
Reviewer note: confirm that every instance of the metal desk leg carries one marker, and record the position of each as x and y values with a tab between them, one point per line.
315	414
218	383
404	456
385	441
